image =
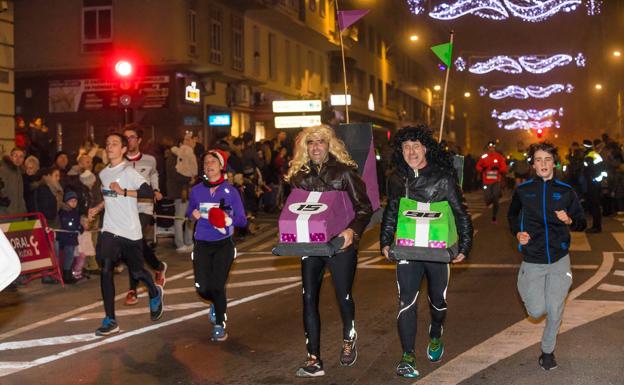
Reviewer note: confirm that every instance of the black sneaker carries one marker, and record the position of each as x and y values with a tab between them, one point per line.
156	304
547	361
312	367
109	326
348	355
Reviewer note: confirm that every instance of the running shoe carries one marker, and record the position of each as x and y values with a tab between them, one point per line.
348	355
131	298
547	361
156	304
407	366
219	334
212	315
159	276
109	326
312	367
435	349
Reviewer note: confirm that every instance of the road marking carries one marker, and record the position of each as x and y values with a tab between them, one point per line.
475	216
619	273
263	245
375	246
619	237
525	333
137	311
79	310
611	288
260	259
477	266
256	239
7	368
579	242
14	345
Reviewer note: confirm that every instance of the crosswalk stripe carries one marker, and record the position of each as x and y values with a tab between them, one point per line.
611	288
619	237
13	345
619	273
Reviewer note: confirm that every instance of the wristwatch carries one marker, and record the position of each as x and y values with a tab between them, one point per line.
125	192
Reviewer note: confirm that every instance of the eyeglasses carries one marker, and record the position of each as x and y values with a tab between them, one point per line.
132	137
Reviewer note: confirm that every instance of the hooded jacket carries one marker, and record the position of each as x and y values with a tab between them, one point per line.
13	187
429	184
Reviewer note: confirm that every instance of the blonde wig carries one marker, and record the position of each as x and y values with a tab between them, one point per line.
301	158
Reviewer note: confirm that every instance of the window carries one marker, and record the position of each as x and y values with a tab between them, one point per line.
257	48
272	57
321	69
322	6
380	95
237	43
299	69
192	31
310	68
371	84
371	40
378	45
287	64
97	25
358	82
216	35
312	5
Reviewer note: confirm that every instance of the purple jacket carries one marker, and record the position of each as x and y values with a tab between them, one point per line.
227	197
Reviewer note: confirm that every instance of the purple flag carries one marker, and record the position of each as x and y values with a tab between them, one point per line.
348	18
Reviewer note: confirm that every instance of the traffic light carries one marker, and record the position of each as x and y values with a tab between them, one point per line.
540	132
124	68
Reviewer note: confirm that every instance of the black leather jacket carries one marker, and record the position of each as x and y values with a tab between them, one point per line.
336	176
431	184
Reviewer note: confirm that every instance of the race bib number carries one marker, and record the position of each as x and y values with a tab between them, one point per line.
109	193
413	214
491	175
307	208
204	207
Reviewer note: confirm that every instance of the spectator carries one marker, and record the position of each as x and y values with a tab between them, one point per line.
67	240
61	161
186	163
178	190
13	189
31	178
21	133
235	163
41	142
250	154
49	196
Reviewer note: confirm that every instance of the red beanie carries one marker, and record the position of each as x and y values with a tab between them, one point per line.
222	156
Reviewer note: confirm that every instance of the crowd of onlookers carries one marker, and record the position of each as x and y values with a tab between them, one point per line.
64	185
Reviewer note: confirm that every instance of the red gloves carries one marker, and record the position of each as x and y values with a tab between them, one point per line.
219	219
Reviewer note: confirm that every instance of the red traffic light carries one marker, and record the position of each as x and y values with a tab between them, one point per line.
539	132
124	68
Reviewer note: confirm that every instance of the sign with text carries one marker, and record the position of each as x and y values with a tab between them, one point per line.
219	120
289	106
297	121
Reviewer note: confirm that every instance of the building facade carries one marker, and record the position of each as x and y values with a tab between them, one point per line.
7	83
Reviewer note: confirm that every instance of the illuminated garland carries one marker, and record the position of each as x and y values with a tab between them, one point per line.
538	92
529	125
460	64
530	63
527	10
520	114
416	6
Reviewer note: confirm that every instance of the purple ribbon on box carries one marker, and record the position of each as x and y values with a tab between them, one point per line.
437	244
289	238
317	237
405	242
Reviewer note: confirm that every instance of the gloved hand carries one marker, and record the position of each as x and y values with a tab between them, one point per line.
219	219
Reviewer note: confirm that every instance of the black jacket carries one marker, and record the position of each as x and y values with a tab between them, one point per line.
550	237
336	176
432	184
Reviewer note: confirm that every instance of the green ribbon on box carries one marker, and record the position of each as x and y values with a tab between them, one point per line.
426	224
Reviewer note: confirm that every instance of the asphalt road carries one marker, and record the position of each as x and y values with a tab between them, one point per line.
47	332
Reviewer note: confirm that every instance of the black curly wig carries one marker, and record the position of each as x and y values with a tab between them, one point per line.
435	155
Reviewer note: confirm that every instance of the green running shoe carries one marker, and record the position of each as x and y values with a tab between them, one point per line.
407	366
435	349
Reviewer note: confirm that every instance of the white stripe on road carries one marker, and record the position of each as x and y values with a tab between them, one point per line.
137	311
7	368
619	273
611	288
619	237
525	333
475	216
474	266
13	345
71	313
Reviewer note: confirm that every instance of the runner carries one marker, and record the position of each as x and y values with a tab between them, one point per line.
146	166
217	207
321	163
424	174
543	210
492	167
121	237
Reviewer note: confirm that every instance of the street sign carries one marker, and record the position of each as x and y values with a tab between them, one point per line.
339	100
286	106
219	120
297	121
192	93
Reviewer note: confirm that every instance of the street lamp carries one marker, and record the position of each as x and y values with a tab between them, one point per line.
617	53
466	94
598	87
437	87
414	38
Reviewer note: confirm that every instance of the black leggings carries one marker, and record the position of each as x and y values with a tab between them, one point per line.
211	264
148	252
409	278
342	267
112	248
492	194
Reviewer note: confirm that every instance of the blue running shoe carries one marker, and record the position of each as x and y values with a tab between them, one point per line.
109	326
156	304
435	349
219	334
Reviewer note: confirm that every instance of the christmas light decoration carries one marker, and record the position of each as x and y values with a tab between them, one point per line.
537	64
593	7
527	10
482	91
488	9
460	64
530	114
530	125
538	92
416	6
